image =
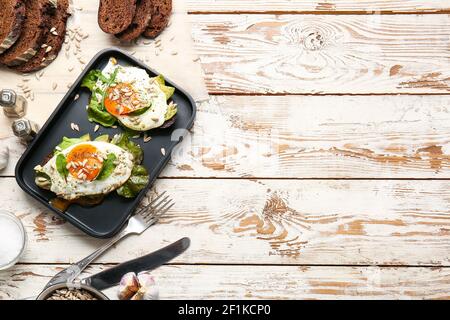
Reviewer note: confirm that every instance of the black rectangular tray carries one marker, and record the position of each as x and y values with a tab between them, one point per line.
106	219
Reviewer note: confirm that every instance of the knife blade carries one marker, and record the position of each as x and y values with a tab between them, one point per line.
111	277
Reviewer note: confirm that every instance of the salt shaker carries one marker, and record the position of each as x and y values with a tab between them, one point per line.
14	105
25	129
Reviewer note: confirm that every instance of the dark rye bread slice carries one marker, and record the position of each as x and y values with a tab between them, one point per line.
140	21
38	13
54	38
114	16
162	9
12	16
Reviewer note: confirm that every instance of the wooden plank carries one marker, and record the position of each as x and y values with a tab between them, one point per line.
261	282
325	6
268	222
324	54
311	137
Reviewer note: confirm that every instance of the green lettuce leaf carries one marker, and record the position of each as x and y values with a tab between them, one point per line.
98	114
168	91
96	110
138	180
91	79
67	142
61	164
103	138
108	167
171	111
123	141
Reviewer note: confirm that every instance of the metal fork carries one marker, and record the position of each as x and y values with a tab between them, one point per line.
137	224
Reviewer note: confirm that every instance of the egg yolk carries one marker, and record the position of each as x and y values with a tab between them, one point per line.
84	162
122	99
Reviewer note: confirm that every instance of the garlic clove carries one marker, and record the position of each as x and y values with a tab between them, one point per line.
129	285
149	290
146	279
138	295
4	156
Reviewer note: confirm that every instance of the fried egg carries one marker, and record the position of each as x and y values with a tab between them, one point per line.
84	163
135	99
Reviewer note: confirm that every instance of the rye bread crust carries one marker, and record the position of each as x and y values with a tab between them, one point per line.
38	13
12	17
52	45
114	16
140	22
162	9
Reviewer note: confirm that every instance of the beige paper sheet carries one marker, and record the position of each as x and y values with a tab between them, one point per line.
172	54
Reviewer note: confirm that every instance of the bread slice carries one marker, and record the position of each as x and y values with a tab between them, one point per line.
38	13
54	38
162	9
12	16
140	21
114	16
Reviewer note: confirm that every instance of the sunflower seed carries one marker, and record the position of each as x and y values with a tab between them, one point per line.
55	85
74	127
147	138
96	128
163	151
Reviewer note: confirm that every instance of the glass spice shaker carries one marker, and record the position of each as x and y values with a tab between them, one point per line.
25	129
14	105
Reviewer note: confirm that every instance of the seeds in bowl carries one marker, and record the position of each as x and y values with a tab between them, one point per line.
71	294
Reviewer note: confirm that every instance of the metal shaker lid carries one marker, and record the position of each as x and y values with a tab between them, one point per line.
7	98
22	128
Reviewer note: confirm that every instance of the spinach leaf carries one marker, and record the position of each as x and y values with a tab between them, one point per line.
138	180
61	164
108	167
123	141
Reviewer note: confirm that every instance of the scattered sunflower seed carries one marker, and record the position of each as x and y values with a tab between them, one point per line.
163	151
77	96
74	127
147	138
55	85
96	128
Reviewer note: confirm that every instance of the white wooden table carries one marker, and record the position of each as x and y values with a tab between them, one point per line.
319	169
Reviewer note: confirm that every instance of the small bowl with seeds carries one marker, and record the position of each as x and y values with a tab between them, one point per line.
72	292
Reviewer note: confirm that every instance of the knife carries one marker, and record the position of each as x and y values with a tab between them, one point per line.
111	277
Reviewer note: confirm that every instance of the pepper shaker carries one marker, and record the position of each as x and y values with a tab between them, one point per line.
14	105
25	129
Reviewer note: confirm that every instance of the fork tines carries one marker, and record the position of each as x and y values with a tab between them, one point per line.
156	208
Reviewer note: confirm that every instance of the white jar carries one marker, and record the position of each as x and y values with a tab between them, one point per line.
12	239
